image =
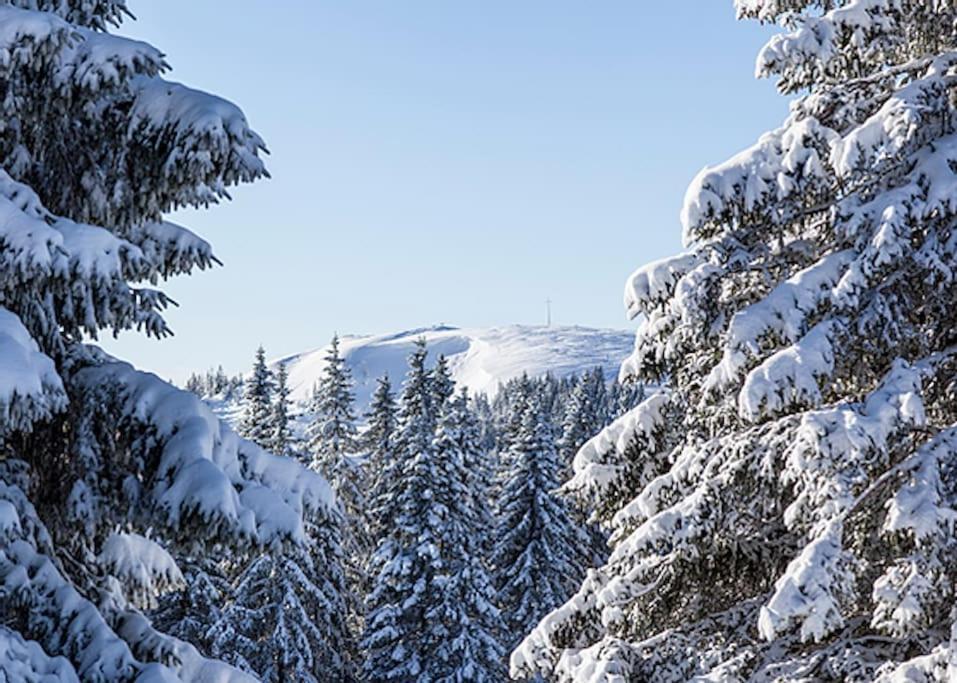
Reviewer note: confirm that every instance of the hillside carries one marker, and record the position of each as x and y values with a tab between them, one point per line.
479	358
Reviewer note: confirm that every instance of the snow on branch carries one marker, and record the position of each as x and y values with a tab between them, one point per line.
789	378
27	36
903	123
672	326
918	506
30	388
97	14
604	459
845	41
66	623
25	660
938	666
204	469
206	137
96	60
901	595
769	10
782	314
142	565
536	652
810	591
41	250
184	660
886	224
81	57
606	661
652	284
834	450
171	248
754	184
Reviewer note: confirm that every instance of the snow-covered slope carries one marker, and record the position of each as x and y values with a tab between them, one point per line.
479	358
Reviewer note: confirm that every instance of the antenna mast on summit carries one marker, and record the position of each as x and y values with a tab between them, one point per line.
548	310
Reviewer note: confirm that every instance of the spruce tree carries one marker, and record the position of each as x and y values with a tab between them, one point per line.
480	471
431	613
281	434
415	427
578	420
256	423
334	445
584	413
333	439
407	563
464	621
197	384
627	395
536	554
443	387
784	509
285	621
219	382
333	431
482	408
379	443
111	478
511	403
191	613
381	418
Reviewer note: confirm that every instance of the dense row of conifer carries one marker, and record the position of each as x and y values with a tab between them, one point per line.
455	540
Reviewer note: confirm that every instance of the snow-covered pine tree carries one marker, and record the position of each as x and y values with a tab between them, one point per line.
537	553
580	419
382	419
406	563
190	613
286	621
256	423
465	625
442	384
431	615
481	466
414	430
280	433
585	410
197	384
218	381
482	408
333	432
96	147
378	442
213	383
334	446
600	398
510	404
333	437
785	509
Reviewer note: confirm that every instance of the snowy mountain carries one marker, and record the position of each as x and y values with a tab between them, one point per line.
479	358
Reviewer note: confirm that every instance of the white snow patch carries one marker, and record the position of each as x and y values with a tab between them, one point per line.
25	661
144	567
479	358
30	387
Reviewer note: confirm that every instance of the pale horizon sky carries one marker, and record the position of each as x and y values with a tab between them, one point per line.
437	162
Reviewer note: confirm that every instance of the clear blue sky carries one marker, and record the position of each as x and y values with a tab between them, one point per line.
439	161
